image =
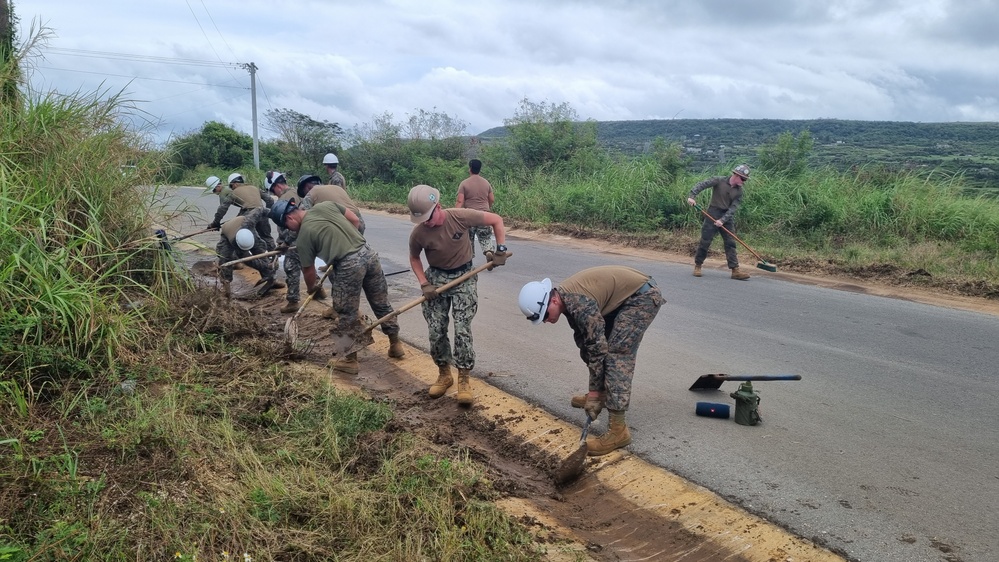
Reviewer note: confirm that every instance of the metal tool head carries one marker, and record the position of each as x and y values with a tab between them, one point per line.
573	466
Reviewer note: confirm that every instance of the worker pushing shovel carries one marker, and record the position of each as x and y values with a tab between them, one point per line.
726	196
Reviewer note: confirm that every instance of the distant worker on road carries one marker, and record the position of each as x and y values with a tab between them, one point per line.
609	308
726	195
332	162
475	192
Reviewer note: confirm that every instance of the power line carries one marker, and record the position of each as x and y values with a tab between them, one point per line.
141	58
141	78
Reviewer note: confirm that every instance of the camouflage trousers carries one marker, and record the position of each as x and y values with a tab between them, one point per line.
228	251
708	231
292	265
485	234
624	329
360	271
459	302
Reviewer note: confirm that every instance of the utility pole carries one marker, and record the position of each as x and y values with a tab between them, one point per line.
252	68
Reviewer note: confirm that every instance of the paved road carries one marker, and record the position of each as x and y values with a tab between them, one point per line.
887	449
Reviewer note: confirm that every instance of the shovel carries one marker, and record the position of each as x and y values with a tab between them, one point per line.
764	265
291	325
346	345
714	381
255	256
186	236
572	467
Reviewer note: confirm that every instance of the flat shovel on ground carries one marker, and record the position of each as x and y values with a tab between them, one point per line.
764	264
345	345
714	381
573	466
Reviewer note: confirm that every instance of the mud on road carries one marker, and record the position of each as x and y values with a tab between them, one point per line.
620	508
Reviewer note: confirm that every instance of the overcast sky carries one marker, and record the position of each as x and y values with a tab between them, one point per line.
348	61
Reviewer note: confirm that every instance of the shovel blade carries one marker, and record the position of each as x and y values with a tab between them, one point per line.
345	344
572	467
714	381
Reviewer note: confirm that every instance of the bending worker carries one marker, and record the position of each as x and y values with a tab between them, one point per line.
608	308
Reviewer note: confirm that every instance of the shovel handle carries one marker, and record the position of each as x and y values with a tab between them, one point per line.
186	236
254	257
732	234
420	300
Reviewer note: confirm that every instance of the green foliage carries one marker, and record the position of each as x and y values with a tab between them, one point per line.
215	145
545	135
787	156
302	140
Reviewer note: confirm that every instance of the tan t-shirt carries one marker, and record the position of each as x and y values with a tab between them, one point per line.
476	189
322	193
609	285
231	227
247	196
447	245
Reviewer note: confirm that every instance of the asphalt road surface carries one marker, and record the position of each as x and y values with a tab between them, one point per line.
888	448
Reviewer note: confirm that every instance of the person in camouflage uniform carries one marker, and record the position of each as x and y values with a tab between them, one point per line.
330	161
441	235
246	197
609	308
277	186
475	192
311	192
228	249
726	196
329	231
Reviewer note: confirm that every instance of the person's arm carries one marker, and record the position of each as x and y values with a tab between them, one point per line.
220	212
492	199
583	315
416	264
495	221
699	187
459	202
352	218
311	279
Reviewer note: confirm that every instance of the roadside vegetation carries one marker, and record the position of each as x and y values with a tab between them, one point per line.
143	419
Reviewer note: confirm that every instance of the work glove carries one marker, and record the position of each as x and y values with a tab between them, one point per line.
594	405
497	258
282	247
691	201
429	291
215	226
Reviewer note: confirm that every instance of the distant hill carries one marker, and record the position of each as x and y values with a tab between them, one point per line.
968	148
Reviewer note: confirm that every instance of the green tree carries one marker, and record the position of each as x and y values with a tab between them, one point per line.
546	134
216	146
302	140
787	156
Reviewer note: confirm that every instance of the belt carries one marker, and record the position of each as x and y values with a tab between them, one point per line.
646	287
459	269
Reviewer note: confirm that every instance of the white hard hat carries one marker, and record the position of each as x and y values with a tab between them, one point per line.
273	177
212	182
235	176
244	239
534	298
330	158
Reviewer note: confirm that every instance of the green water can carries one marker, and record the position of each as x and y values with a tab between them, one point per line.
747	405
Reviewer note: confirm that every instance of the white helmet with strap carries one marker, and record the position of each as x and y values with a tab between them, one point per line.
245	239
534	299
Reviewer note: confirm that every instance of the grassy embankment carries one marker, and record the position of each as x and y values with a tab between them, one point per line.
144	420
897	227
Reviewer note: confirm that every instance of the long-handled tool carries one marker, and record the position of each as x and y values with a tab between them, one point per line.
764	264
572	466
255	256
291	325
186	236
345	344
714	381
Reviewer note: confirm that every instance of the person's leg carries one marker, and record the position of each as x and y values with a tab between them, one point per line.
346	294
708	231
376	292
730	248
464	305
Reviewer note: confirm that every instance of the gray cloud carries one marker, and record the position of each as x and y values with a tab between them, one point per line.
921	60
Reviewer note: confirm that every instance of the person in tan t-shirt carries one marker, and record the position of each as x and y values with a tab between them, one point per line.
440	234
609	308
476	193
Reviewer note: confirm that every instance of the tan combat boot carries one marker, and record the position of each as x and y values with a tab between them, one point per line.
697	270
348	364
395	347
464	388
290	306
740	275
617	436
444	381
